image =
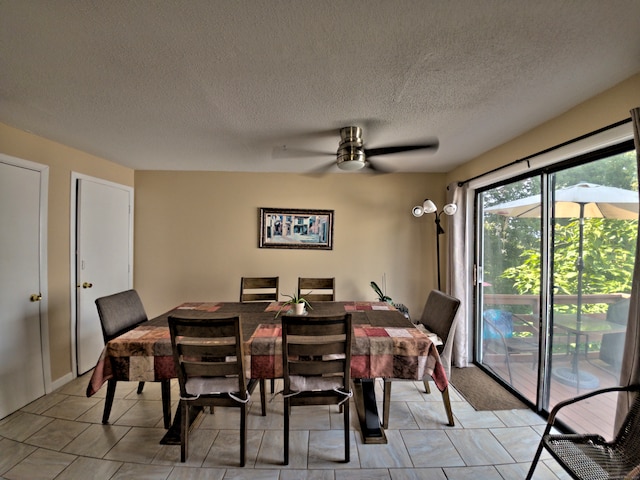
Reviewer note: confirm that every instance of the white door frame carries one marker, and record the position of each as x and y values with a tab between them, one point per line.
44	286
74	248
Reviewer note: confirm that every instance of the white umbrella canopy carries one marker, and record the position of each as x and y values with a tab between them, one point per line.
599	201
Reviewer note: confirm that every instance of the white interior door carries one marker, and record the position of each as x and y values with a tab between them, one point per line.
22	377
104	241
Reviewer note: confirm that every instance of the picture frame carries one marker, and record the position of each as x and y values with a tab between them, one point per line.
295	228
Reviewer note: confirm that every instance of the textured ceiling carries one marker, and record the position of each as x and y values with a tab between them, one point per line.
226	85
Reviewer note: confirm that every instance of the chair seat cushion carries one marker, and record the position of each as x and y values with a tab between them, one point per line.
315	384
211	385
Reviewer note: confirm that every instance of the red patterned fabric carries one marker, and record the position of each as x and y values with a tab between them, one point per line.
376	352
144	353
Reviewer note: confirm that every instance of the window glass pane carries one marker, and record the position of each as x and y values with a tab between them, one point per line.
510	267
594	246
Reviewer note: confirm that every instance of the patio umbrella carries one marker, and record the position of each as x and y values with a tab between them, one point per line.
583	200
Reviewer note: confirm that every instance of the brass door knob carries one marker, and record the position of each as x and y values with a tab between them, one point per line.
36	297
87	285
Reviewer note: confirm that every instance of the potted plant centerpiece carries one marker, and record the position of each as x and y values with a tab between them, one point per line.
298	302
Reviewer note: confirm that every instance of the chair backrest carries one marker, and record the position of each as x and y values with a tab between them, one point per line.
316	353
619	312
208	355
317	289
120	313
259	289
439	317
628	436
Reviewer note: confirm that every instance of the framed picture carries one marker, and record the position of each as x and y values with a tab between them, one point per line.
296	228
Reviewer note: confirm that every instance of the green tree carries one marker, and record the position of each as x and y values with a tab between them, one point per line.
512	246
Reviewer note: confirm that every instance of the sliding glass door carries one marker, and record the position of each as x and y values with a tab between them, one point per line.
555	257
509	272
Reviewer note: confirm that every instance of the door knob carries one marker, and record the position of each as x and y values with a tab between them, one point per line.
36	297
87	285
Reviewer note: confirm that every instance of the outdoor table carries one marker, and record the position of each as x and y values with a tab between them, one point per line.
587	326
385	345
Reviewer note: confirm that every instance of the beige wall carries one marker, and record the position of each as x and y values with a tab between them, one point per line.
609	107
62	161
196	234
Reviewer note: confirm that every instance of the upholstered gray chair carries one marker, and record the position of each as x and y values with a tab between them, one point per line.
118	314
439	317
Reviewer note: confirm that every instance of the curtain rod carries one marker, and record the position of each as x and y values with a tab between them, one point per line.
550	149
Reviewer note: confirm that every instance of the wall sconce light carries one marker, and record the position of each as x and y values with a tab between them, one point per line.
429	207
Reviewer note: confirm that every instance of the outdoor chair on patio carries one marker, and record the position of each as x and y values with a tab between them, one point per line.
612	344
589	456
501	336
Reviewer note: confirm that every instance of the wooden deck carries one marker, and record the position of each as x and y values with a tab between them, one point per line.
595	415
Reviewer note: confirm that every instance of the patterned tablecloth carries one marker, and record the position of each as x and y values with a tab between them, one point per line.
378	351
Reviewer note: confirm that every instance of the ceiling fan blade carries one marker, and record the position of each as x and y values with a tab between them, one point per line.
376	168
372	152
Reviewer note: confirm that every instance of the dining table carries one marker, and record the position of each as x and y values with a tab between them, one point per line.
385	344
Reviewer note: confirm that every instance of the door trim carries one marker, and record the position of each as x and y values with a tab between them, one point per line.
44	266
73	244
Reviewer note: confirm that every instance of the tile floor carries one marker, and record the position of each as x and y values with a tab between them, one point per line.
60	436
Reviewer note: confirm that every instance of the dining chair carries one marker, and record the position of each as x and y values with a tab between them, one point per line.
317	289
259	289
316	356
208	354
118	314
438	317
590	455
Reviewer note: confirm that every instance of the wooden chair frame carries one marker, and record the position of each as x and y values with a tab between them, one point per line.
209	359
316	355
259	289
317	289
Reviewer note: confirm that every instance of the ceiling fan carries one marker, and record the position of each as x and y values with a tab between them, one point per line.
353	156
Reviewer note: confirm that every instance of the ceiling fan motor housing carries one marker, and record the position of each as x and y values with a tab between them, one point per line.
351	155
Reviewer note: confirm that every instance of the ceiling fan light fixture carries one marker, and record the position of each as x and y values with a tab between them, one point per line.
351	158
